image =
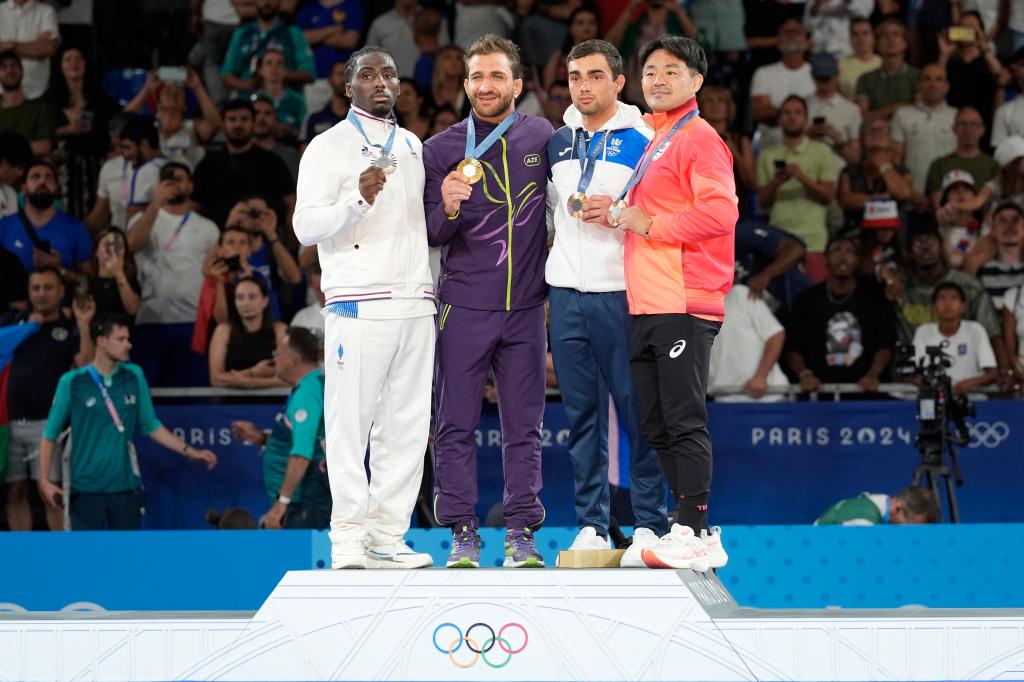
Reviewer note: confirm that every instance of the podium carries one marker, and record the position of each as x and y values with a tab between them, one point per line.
489	624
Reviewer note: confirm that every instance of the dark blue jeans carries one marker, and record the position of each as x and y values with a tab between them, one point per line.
590	348
106	511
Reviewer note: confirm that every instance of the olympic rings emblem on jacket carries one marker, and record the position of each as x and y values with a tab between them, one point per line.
479	652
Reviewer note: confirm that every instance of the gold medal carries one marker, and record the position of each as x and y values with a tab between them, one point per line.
471	169
614	211
575	205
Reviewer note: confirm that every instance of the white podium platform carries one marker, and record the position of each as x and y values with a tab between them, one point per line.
526	625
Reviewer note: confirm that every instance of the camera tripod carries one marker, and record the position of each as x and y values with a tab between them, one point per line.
929	473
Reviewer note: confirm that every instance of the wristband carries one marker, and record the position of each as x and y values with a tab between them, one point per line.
284	499
271	243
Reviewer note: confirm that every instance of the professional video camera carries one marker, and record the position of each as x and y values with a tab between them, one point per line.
938	410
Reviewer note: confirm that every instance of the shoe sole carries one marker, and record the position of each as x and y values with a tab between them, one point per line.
632	563
464	562
398	565
529	563
652	560
350	564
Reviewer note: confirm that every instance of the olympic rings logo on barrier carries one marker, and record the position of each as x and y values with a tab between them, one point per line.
988	435
480	652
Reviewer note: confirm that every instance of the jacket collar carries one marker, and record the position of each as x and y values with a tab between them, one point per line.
663	120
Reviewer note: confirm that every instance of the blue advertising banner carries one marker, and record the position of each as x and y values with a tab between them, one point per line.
783	463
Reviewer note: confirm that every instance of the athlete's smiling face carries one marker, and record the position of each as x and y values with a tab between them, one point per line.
668	82
375	86
491	86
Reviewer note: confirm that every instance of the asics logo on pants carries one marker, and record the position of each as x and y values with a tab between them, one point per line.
677	349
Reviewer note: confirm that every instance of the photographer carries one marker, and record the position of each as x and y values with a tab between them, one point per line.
170	242
967	344
269	255
910	506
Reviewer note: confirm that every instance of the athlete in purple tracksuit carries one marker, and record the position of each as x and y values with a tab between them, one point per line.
492	295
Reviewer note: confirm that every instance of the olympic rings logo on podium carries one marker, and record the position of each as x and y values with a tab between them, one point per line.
479	652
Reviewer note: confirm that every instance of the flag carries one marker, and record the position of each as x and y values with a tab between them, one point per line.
10	338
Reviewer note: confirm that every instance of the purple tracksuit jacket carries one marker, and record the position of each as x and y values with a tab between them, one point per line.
491	319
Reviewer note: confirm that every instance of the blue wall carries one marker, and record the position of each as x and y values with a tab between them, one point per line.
770	566
774	464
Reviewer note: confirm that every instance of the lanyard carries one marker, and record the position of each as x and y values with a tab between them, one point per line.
588	157
106	398
474	150
124	181
641	169
177	231
353	118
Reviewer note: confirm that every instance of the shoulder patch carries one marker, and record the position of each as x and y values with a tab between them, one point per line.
301	416
531	160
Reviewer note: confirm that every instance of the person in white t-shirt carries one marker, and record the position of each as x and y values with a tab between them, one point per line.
747	349
1013	332
126	183
773	83
29	27
966	342
170	243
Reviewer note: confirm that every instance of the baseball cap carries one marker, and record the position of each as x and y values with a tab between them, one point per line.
881	214
955	177
1009	149
823	65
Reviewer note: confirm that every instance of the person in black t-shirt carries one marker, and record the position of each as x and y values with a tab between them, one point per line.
13	282
115	285
240	170
60	344
842	330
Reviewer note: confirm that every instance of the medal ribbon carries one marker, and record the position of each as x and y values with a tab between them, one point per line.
638	173
106	399
353	118
588	157
474	150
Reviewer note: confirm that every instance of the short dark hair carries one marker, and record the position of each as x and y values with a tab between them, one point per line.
859	20
167	170
918	500
41	161
48	270
304	343
891	21
688	50
795	98
10	55
236	104
973	13
598	46
850	239
141	129
1008	205
350	67
948	286
15	149
234	228
104	325
494	44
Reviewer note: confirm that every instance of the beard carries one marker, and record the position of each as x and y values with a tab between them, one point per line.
266	13
178	199
239	138
41	199
500	106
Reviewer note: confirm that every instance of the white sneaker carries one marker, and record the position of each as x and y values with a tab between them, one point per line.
680	548
588	538
348	555
396	555
643	538
716	548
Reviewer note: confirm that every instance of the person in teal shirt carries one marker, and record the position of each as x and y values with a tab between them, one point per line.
294	466
251	40
104	402
910	506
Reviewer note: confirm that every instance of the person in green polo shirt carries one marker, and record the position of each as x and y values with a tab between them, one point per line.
294	466
910	506
104	402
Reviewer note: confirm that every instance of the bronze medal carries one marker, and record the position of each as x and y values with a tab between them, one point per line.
614	211
575	205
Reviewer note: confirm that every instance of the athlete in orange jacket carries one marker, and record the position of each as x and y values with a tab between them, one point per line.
680	220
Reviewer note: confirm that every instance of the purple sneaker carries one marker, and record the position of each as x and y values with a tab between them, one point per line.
521	550
465	548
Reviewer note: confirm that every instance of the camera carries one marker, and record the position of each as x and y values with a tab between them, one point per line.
254	213
938	411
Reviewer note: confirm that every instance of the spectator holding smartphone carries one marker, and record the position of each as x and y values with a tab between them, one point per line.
114	284
170	242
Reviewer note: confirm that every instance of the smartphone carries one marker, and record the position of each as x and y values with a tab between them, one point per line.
172	74
254	213
962	34
111	244
780	164
44	245
234	263
818	120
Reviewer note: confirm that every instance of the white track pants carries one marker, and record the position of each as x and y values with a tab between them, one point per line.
378	388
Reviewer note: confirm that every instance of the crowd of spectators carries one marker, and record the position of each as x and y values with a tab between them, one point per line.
878	150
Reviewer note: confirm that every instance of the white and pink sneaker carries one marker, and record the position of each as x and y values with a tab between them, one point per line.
716	548
680	548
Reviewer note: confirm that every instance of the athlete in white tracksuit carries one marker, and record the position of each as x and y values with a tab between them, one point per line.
371	235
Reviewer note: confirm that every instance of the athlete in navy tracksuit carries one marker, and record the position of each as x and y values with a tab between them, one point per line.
491	295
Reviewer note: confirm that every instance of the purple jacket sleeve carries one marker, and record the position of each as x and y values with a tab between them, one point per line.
440	228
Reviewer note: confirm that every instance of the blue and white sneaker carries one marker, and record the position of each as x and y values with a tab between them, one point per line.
465	548
396	555
521	550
